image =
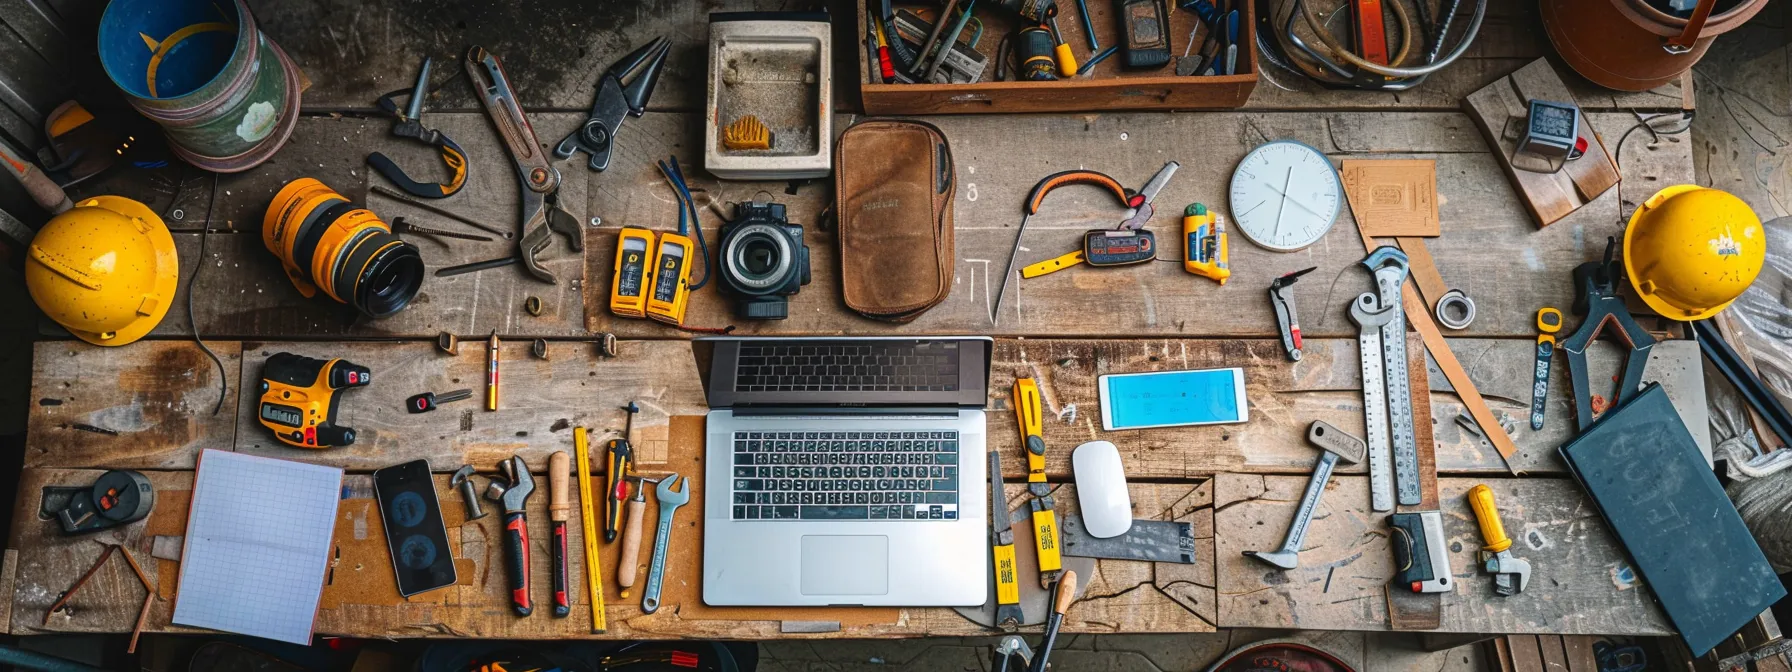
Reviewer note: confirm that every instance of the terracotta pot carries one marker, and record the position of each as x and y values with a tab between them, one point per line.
1622	44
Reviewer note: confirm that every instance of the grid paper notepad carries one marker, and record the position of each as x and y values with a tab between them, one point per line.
257	544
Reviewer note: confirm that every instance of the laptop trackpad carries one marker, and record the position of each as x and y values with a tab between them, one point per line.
845	565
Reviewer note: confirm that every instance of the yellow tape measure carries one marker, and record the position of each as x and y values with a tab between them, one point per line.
594	575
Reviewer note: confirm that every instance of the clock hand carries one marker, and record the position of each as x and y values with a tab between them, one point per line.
1283	206
1295	201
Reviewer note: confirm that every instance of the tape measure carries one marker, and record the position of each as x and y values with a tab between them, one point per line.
1102	247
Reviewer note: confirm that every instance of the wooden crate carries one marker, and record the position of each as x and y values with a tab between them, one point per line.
1109	87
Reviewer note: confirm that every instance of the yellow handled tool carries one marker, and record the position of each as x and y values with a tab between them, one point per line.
1480	498
1001	542
594	575
1510	574
1204	236
1028	409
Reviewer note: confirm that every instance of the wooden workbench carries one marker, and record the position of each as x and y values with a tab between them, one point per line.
1236	484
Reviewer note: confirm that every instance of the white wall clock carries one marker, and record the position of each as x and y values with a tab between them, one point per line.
1285	195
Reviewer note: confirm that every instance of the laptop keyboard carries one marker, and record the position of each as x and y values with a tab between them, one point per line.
845	475
897	366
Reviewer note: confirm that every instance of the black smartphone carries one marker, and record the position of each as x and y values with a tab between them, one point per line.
415	535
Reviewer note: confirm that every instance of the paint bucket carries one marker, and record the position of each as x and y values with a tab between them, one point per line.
224	93
1624	44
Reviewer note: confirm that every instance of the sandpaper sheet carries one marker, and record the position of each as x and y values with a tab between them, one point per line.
1393	197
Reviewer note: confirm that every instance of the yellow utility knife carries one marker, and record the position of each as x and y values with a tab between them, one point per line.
1045	521
1001	543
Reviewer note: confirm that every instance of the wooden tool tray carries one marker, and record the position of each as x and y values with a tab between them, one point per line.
1110	86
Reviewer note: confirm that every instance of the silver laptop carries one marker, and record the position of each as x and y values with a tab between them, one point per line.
845	471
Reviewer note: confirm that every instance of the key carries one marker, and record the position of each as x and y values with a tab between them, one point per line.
428	401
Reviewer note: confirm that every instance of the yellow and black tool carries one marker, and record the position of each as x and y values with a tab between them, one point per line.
1001	542
328	244
1027	408
617	470
299	399
594	571
410	125
1204	234
633	272
651	277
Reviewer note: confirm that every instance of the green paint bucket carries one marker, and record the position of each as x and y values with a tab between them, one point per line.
224	93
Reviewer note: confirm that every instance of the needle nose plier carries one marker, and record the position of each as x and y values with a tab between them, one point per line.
615	100
542	214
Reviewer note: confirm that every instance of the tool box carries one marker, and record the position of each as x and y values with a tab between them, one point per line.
1109	86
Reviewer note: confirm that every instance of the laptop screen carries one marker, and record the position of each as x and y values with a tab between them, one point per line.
846	372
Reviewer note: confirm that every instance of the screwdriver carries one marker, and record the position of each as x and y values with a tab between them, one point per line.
428	401
621	463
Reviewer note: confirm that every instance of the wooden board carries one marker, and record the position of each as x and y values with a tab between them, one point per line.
1127	596
1347	563
663	377
157	396
1393	197
1548	196
996	167
539	402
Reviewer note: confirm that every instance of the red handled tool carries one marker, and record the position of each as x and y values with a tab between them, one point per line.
559	510
512	491
621	464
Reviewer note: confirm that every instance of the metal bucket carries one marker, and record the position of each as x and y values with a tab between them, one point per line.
225	94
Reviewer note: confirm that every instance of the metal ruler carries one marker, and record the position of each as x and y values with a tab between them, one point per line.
1390	267
1370	317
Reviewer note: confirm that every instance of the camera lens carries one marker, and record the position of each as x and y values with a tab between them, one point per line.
758	257
327	243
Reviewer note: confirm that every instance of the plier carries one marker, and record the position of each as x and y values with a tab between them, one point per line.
615	100
410	125
542	214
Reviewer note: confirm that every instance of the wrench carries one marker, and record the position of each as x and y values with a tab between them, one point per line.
1336	445
1390	267
669	500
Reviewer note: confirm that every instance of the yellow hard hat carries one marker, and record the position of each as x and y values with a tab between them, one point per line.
105	270
1690	251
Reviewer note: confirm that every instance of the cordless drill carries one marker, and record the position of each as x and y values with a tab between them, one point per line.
299	397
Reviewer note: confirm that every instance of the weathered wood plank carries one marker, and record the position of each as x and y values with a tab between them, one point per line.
663	376
1126	596
539	402
997	167
1347	562
157	396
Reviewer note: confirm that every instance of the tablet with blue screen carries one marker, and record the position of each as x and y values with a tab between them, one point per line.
1172	399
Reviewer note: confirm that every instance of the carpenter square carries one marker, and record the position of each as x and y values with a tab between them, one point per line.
1336	445
1149	540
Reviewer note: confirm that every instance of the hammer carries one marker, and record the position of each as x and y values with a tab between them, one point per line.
1336	445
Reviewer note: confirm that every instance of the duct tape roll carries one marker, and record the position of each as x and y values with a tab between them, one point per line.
1455	310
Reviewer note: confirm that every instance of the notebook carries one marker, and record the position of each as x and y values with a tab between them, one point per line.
1648	479
257	543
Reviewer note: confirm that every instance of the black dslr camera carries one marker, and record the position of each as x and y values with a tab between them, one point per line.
764	260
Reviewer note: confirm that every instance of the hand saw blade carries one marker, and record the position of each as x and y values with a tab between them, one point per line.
1151	540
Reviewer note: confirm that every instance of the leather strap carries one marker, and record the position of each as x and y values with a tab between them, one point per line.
1694	25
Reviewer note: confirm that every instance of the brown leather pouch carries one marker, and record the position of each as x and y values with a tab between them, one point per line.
894	182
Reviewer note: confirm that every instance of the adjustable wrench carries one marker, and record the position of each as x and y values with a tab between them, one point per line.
1336	445
669	500
512	494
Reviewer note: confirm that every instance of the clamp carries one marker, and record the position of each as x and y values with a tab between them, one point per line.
615	101
1596	296
410	125
542	215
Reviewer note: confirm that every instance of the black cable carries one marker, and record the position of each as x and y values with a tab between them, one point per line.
204	236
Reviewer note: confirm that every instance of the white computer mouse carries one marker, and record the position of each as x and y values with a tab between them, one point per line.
1101	489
